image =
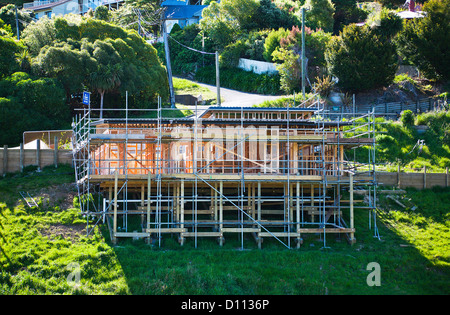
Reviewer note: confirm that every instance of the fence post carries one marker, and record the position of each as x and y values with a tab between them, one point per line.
446	176
55	152
398	175
21	157
5	160
424	177
38	155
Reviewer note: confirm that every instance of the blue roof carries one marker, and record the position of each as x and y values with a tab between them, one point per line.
180	12
174	2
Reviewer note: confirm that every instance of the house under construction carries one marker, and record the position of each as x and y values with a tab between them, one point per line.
270	172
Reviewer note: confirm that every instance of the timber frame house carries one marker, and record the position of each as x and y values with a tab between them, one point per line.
271	172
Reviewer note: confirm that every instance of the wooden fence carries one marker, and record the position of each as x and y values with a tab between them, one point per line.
392	110
14	160
420	180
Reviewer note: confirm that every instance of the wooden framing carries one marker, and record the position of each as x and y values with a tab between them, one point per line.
262	172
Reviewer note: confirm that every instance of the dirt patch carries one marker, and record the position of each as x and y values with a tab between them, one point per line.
57	195
404	91
72	232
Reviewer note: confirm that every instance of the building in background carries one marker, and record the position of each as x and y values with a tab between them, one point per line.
42	8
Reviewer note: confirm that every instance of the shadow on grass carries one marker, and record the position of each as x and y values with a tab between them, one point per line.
338	268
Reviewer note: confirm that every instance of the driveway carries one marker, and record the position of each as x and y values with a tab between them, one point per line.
233	98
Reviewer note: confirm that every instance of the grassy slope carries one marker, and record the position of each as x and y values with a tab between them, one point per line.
396	144
33	263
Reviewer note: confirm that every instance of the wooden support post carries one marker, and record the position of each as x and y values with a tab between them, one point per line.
298	214
312	202
5	159
216	217
259	212
55	152
21	157
352	225
446	176
110	197
182	211
291	206
177	202
149	194
116	180
424	177
253	201
398	176
221	212
38	155
142	202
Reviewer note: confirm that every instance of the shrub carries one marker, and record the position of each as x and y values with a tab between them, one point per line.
361	60
407	118
231	54
319	14
241	80
385	23
324	86
273	42
426	42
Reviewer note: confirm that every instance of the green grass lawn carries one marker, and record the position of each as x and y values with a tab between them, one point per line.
184	86
40	248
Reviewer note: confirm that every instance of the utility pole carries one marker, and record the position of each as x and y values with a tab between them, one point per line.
139	23
303	52
218	79
169	67
17	24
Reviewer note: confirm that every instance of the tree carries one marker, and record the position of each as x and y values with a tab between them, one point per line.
426	41
39	34
360	59
76	52
102	13
385	23
8	50
289	69
105	79
219	25
273	42
270	16
66	63
346	12
319	14
14	17
28	103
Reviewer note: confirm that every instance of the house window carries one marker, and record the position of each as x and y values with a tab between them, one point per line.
48	14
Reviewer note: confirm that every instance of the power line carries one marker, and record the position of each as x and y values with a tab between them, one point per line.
190	48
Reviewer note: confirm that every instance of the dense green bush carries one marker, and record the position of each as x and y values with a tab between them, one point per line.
8	50
361	60
426	41
231	54
346	12
385	23
273	42
183	60
30	104
238	79
407	118
319	14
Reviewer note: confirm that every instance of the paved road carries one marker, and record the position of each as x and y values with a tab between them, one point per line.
236	98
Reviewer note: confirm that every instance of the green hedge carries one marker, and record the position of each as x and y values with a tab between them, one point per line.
241	80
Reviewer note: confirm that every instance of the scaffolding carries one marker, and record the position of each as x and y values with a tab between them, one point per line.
270	172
